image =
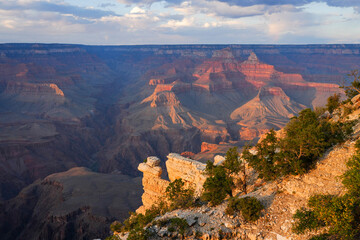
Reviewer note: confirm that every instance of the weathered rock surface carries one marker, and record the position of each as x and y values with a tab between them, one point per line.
177	166
154	186
191	171
208	146
218	160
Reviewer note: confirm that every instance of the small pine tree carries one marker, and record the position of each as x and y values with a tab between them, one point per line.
232	162
267	161
333	102
250	208
307	137
218	185
178	195
220	182
354	88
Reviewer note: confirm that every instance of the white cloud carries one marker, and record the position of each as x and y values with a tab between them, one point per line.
185	22
8	23
137	10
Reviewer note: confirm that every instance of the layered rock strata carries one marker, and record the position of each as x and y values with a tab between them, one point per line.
154	186
190	171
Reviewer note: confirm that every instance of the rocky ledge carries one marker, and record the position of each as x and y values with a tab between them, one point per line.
191	171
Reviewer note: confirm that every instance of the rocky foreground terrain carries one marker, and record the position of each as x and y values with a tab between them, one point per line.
281	198
107	108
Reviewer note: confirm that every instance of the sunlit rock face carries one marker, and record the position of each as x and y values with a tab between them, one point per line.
177	167
33	89
154	186
224	90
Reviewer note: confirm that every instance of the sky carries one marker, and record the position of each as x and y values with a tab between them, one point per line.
133	22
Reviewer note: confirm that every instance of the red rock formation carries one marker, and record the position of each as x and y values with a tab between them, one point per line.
248	134
187	154
212	74
258	74
156	81
163	87
33	88
208	146
224	73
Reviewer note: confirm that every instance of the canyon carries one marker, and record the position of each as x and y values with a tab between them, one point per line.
107	108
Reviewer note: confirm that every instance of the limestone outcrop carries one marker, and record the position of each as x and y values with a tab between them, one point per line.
154	186
190	171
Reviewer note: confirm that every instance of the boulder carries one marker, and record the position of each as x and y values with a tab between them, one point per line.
153	161
219	160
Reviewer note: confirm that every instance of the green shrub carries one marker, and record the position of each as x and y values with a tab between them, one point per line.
178	196
267	161
231	208
116	226
139	220
307	137
347	111
341	214
250	208
218	185
346	128
319	111
232	163
306	220
179	224
333	102
324	236
326	210
176	224
351	178
139	234
220	182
